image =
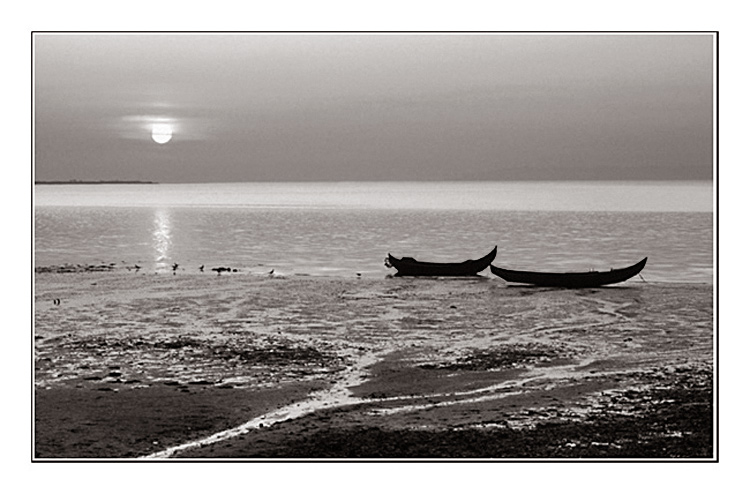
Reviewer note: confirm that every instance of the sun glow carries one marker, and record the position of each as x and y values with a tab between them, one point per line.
161	132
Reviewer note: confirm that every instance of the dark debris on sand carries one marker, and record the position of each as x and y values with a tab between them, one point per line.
498	357
141	360
266	351
76	268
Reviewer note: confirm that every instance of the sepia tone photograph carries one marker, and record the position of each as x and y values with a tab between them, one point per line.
374	246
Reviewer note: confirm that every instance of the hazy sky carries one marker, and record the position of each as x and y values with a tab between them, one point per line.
247	107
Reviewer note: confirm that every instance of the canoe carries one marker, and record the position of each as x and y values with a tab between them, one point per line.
570	280
408	266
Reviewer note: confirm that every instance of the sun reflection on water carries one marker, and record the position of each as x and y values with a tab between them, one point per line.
162	238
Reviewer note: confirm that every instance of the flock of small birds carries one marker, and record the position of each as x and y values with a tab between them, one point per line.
201	268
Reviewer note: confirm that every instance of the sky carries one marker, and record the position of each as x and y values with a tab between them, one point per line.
350	107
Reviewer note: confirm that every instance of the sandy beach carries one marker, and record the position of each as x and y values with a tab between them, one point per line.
136	365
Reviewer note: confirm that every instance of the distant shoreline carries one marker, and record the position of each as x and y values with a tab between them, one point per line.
586	181
90	182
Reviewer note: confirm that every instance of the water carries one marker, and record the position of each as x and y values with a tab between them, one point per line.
340	229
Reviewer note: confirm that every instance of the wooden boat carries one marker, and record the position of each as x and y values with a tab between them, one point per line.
570	280
408	266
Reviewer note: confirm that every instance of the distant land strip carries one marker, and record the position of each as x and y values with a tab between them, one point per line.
89	182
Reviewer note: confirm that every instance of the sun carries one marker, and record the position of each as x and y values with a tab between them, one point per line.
161	132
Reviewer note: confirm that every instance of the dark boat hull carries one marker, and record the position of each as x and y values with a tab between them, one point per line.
570	280
407	266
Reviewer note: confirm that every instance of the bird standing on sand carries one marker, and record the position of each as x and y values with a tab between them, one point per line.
201	267
174	267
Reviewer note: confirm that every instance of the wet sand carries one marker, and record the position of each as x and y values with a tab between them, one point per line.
143	366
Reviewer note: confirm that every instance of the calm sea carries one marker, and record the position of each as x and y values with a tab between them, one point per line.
341	229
